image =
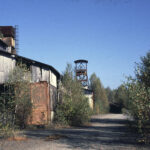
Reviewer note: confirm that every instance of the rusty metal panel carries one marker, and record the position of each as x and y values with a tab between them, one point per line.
41	104
36	73
53	97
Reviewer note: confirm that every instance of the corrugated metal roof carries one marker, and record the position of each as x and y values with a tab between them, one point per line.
31	61
80	60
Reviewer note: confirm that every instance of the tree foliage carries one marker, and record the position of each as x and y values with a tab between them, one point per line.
15	103
139	96
142	70
74	108
121	96
101	104
110	94
118	98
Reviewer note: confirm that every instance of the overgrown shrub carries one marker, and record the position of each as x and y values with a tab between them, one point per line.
139	106
15	103
139	97
74	108
6	131
75	114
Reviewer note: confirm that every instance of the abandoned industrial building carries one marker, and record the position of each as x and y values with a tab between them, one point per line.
44	78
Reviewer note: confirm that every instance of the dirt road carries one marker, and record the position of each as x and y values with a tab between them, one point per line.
106	132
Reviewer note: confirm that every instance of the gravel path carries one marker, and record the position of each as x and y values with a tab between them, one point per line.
106	132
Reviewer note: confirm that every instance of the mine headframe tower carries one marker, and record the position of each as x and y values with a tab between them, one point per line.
81	72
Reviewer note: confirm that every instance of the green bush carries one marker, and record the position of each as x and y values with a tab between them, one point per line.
73	108
75	114
139	105
15	103
6	131
139	97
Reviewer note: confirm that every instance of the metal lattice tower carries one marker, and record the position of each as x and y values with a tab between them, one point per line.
81	72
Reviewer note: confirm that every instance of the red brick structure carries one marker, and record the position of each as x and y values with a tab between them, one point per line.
40	98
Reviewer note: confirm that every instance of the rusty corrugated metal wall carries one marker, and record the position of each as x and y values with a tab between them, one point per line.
40	98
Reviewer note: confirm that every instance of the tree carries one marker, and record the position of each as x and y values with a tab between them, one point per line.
139	96
15	103
121	96
110	94
142	70
73	108
101	103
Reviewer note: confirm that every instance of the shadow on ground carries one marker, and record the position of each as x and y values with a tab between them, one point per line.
109	121
91	137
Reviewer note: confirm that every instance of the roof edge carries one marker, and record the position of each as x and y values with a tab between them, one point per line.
81	60
32	61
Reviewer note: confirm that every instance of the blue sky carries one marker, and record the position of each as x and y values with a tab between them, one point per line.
111	34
